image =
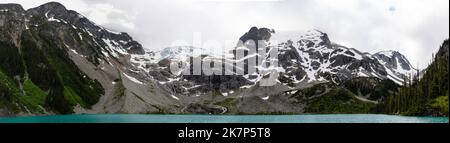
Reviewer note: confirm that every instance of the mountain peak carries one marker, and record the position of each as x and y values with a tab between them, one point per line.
395	61
53	6
11	7
389	53
56	12
315	39
315	32
257	34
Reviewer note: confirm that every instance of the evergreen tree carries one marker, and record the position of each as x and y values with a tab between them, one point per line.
425	96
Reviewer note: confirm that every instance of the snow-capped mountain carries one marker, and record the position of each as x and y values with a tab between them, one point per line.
314	58
320	59
81	67
309	60
396	64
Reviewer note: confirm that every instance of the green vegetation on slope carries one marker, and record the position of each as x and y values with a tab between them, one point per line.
72	98
42	73
11	62
31	98
426	96
39	76
373	88
7	91
338	101
230	104
34	97
441	104
327	98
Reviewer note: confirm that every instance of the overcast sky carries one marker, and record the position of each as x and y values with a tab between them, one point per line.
415	28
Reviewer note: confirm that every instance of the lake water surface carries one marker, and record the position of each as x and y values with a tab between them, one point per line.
340	118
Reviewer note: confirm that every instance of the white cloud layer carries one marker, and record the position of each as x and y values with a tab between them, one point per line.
416	28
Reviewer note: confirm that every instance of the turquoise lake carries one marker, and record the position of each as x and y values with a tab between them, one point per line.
357	118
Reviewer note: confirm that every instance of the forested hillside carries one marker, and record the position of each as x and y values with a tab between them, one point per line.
427	96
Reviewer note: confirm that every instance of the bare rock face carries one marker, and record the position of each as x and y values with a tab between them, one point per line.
257	34
12	22
58	11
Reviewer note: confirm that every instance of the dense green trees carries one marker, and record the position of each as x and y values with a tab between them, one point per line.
338	101
371	87
10	57
427	96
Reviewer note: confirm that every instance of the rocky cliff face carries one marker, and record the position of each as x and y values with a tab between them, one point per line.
38	75
74	65
56	61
